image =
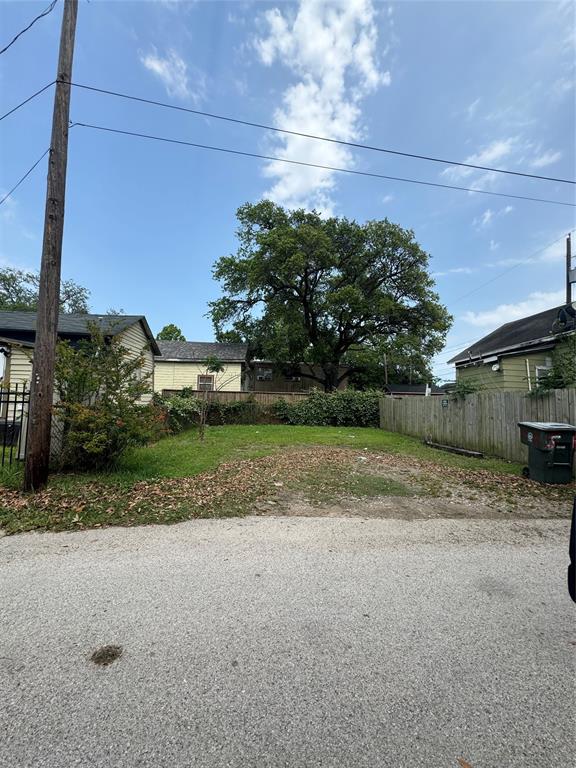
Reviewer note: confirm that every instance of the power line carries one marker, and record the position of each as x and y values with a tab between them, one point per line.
28	172
45	12
506	271
355	145
316	165
27	100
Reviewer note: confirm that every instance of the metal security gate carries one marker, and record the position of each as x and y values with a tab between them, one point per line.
14	403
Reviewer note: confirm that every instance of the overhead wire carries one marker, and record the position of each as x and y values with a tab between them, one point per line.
350	171
316	137
22	103
45	12
28	172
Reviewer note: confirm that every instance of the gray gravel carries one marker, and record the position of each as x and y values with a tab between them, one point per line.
289	642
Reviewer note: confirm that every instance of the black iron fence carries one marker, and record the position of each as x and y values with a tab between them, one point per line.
14	402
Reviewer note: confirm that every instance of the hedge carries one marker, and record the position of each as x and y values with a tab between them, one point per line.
346	408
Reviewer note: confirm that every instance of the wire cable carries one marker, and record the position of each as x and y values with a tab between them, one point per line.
355	145
28	172
11	111
316	165
45	12
506	271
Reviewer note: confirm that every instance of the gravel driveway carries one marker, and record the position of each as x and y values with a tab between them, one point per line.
290	642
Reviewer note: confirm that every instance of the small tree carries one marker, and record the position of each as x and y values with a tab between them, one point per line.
562	374
171	332
100	414
213	367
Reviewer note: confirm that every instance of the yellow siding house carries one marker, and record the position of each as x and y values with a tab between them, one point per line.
18	333
184	365
516	355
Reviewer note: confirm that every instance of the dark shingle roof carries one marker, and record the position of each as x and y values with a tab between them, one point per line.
200	350
513	334
73	325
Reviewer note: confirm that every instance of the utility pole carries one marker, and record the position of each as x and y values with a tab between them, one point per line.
570	273
42	385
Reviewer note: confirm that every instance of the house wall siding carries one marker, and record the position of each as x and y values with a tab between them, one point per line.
512	375
19	366
136	342
181	374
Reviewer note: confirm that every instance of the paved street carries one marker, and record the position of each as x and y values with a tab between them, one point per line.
290	642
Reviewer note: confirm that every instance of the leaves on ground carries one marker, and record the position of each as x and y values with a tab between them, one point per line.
235	487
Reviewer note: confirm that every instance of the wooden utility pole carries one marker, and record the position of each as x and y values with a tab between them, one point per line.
570	275
42	385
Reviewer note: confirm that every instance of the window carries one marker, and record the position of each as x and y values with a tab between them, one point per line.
542	371
205	383
264	374
292	378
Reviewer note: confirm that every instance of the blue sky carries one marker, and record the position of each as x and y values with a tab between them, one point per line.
488	82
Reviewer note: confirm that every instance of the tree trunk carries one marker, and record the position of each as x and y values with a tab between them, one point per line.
330	371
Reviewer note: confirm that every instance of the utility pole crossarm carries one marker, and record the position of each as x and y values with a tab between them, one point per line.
42	384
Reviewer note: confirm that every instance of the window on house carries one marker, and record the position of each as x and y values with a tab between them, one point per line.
264	374
542	371
205	383
292	378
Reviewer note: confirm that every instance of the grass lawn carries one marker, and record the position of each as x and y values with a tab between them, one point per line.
184	455
181	477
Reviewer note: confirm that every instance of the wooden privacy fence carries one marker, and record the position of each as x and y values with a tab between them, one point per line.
486	421
264	398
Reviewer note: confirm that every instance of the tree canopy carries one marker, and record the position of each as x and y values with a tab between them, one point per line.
170	332
323	291
19	291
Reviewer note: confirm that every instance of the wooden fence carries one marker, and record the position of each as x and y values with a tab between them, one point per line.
264	398
486	421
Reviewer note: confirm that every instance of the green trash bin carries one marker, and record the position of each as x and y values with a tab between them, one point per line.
550	450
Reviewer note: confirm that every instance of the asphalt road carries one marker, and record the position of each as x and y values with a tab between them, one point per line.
290	642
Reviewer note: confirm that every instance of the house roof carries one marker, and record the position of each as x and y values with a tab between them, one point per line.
515	334
198	351
412	389
74	324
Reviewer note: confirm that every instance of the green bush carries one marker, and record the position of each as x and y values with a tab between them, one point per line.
346	408
99	412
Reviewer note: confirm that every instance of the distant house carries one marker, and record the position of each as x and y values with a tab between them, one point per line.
409	390
517	354
182	365
269	376
18	337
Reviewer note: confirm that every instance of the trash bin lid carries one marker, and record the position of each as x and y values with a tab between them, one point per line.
547	426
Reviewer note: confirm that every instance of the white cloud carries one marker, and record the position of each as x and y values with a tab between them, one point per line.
494	245
484	220
546	158
173	71
487	218
504	313
387	198
554	252
331	48
455	271
490	155
472	108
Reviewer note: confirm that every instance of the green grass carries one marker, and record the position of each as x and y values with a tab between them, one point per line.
184	455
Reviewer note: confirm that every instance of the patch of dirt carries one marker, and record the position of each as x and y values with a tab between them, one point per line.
106	655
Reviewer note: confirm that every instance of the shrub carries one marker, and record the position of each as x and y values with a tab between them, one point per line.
99	413
346	408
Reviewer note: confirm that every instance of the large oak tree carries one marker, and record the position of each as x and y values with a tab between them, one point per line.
306	289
